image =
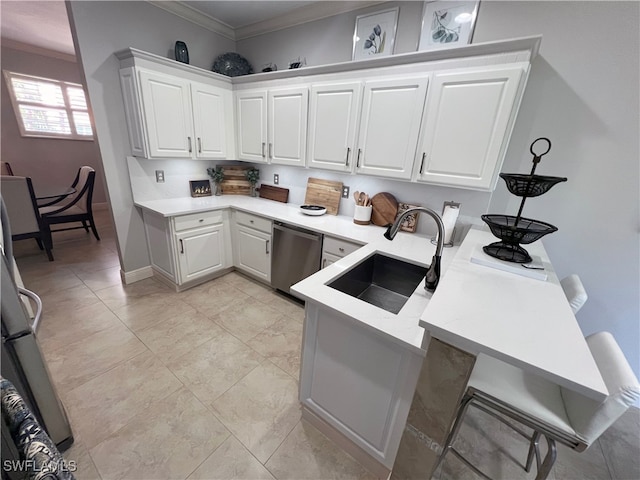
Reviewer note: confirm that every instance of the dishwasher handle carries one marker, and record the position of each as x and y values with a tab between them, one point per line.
297	231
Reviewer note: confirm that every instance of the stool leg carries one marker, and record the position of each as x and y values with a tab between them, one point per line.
462	409
549	460
534	449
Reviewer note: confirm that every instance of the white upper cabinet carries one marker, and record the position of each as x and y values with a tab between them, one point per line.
287	126
167	115
334	112
272	125
467	124
251	128
210	104
173	117
390	126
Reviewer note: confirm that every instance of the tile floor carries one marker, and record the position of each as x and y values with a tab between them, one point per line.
203	384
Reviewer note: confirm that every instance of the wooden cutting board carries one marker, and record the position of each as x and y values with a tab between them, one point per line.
324	192
235	181
385	209
274	193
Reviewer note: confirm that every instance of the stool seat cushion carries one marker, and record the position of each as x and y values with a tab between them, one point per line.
528	393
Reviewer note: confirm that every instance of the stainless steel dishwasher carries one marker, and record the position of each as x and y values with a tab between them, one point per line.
296	255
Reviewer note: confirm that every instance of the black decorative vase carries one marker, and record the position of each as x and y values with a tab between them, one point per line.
182	54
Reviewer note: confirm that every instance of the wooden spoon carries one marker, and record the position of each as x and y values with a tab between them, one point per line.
356	196
362	197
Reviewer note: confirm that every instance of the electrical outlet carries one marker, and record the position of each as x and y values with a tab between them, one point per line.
160	176
345	191
276	179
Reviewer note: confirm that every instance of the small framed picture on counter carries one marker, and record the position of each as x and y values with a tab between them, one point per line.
447	24
410	223
200	188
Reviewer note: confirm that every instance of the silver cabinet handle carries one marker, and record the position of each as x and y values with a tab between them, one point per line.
38	301
341	249
181	246
250	221
263	145
199	145
189	139
348	152
358	161
424	154
270	150
201	220
266	247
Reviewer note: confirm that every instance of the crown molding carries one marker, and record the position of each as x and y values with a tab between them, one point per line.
194	16
310	13
45	52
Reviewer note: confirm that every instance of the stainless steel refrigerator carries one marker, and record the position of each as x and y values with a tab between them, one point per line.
22	362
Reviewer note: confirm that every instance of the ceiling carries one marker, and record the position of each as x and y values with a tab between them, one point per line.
44	24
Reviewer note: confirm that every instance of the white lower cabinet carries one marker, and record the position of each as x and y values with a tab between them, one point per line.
333	249
357	381
252	245
188	248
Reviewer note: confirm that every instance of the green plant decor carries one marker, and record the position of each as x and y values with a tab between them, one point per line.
252	175
216	174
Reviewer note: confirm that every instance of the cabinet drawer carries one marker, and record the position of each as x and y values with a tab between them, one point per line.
339	247
194	220
254	221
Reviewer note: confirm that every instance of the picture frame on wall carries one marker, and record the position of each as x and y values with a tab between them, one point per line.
375	34
447	24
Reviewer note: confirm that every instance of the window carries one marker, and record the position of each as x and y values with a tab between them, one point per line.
49	108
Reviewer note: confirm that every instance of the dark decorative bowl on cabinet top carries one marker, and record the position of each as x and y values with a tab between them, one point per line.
232	64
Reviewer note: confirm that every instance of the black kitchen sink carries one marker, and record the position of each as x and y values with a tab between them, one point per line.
381	281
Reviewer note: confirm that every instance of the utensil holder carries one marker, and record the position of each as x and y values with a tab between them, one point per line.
362	215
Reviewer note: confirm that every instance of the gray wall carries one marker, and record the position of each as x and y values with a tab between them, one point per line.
583	94
45	160
100	29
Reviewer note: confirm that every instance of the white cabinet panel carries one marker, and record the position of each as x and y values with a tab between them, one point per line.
167	112
467	125
390	126
251	129
287	126
210	124
334	112
200	252
133	111
253	252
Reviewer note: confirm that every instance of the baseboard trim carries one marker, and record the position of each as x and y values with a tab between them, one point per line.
136	275
362	457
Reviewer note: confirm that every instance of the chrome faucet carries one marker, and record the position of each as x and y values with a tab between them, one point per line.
433	273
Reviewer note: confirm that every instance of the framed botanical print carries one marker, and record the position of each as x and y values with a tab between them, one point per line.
447	24
375	34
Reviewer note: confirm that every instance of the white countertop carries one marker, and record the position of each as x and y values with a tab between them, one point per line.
522	321
340	226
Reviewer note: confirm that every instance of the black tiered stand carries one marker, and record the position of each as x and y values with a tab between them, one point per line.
516	230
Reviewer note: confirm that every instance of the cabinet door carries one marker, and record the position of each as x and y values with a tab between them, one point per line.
200	252
166	101
467	125
209	118
133	111
328	259
251	115
288	126
334	111
390	126
254	252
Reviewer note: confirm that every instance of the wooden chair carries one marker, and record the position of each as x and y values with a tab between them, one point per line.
76	207
24	219
5	168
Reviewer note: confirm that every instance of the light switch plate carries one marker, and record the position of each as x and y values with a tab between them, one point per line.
345	191
276	179
160	176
